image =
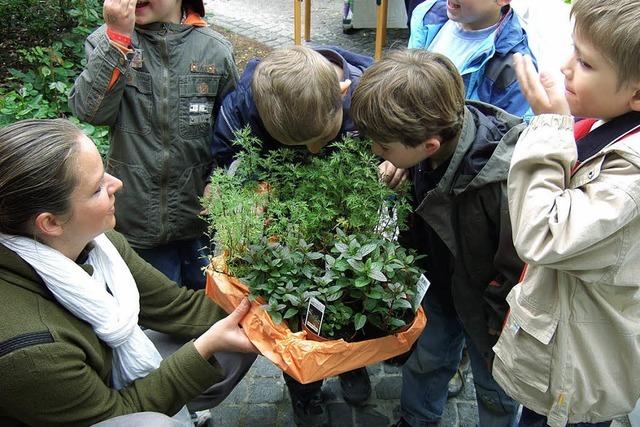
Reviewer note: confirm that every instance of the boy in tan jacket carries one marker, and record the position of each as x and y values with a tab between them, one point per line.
570	348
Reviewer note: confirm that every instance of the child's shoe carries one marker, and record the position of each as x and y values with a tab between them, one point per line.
356	386
310	411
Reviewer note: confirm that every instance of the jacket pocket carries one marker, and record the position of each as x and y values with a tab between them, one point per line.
137	211
187	194
135	107
525	356
197	99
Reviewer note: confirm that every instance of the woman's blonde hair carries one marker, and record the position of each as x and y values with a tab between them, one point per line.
37	171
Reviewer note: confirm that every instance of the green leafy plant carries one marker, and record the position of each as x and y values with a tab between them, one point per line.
294	226
38	85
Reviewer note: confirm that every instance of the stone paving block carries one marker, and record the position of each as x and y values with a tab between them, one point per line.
239	393
285	417
262	415
391	369
265	390
450	415
389	388
469	391
368	416
263	367
227	416
340	414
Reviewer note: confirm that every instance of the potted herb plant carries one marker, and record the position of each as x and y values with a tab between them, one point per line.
296	228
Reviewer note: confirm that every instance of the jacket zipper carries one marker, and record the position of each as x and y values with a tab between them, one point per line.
166	142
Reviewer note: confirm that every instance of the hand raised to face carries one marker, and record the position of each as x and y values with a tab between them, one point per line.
545	94
120	15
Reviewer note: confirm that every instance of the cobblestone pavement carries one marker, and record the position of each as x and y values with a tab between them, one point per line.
261	399
271	22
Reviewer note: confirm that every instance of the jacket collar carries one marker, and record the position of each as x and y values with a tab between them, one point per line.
15	271
484	149
191	20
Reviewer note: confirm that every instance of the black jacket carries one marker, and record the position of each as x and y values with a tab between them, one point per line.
467	215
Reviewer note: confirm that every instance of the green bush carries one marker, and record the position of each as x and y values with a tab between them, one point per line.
39	85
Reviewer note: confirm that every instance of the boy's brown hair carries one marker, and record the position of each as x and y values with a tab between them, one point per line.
297	94
613	28
409	97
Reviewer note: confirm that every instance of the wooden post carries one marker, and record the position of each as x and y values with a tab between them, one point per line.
307	20
296	22
381	27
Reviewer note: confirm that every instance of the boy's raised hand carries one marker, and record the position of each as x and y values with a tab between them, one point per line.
120	15
543	92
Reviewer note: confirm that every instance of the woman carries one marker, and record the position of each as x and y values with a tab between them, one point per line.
72	292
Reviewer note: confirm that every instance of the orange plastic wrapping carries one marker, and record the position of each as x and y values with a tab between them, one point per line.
303	359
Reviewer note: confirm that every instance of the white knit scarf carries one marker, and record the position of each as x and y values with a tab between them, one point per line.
113	317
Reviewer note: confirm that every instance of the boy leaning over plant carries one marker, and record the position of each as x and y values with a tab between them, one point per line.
570	349
411	104
297	96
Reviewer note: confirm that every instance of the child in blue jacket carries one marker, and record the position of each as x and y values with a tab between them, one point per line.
480	37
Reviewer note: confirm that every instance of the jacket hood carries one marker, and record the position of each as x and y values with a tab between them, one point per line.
485	145
15	271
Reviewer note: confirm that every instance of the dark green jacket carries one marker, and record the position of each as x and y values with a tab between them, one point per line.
54	370
469	212
160	113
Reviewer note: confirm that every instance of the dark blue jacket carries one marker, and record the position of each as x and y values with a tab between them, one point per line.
489	75
239	110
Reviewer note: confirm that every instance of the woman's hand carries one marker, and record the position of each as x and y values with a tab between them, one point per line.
120	15
544	94
226	335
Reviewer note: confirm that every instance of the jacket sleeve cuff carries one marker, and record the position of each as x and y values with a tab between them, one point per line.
199	372
556	121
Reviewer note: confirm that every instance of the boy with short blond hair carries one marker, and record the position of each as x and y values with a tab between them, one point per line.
294	96
297	96
569	351
412	105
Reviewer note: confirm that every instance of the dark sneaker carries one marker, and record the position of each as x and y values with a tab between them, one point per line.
310	411
356	386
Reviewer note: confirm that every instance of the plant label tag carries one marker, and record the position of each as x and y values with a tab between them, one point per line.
421	289
315	314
